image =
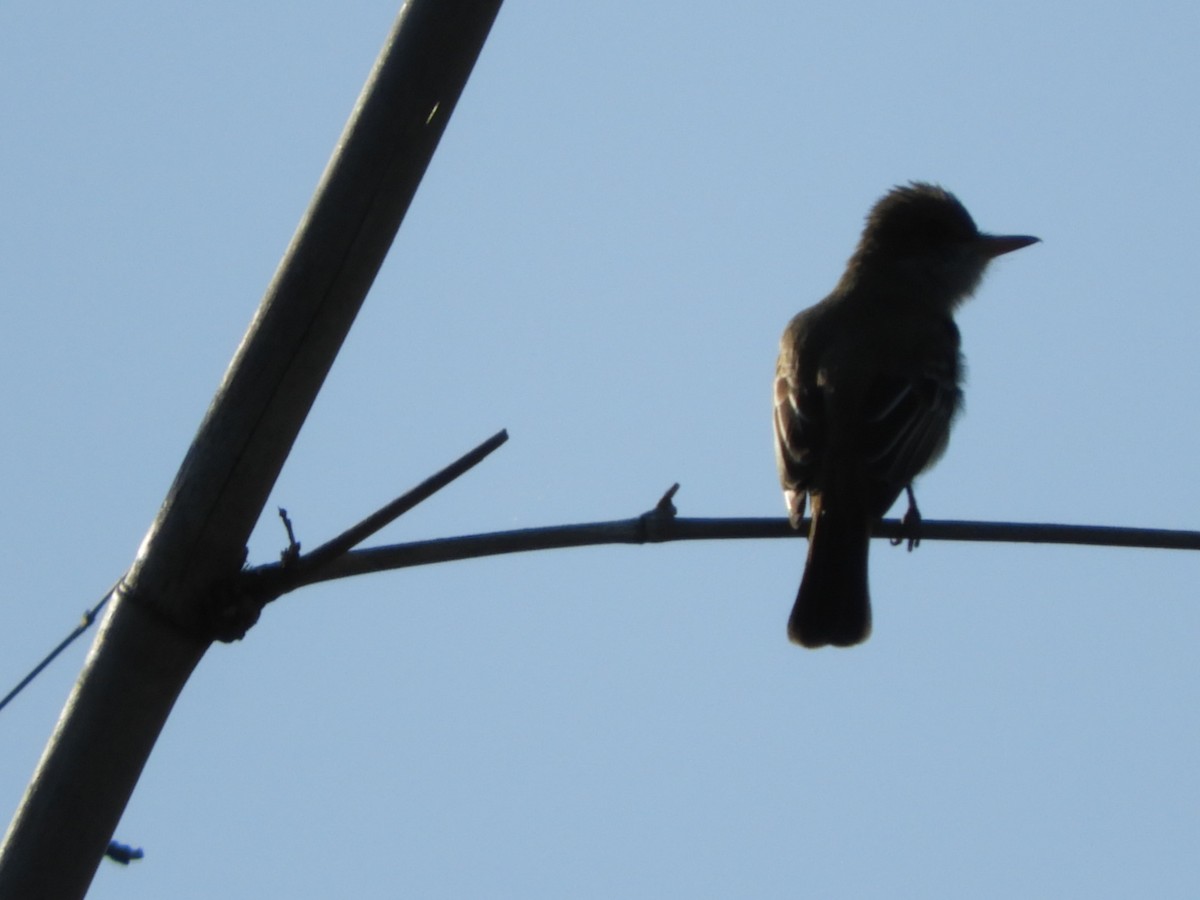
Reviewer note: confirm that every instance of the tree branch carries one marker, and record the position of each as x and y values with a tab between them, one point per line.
254	588
356	534
660	525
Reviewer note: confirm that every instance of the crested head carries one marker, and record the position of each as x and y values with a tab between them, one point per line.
918	216
923	244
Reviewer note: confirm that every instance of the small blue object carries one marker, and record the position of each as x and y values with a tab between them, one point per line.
122	854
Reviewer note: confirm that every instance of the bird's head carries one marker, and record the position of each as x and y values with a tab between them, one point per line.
921	236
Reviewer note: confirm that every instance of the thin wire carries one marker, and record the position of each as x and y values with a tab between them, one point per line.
88	618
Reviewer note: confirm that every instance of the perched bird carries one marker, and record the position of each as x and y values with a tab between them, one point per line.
867	384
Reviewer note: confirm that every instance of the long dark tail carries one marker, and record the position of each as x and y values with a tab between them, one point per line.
833	605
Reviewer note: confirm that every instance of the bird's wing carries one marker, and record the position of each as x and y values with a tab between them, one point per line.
906	421
799	431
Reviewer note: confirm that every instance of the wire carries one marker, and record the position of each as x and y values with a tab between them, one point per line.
88	618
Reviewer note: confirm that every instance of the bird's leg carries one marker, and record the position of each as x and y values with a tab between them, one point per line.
910	522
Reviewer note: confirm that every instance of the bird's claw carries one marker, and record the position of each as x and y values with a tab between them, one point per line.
910	523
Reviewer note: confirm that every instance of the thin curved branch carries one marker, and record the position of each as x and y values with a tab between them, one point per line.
659	526
256	587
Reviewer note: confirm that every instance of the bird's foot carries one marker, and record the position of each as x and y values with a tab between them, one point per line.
910	523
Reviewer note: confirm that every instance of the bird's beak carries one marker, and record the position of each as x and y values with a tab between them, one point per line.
994	245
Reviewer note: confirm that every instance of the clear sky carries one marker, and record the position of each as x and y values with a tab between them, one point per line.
629	203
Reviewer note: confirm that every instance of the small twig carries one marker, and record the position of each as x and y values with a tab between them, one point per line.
651	522
665	507
292	552
383	517
261	585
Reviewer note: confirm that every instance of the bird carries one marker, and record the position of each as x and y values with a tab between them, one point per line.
867	385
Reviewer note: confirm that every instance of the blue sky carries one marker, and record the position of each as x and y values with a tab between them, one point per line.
629	203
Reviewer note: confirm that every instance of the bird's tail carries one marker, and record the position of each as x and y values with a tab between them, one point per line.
833	605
